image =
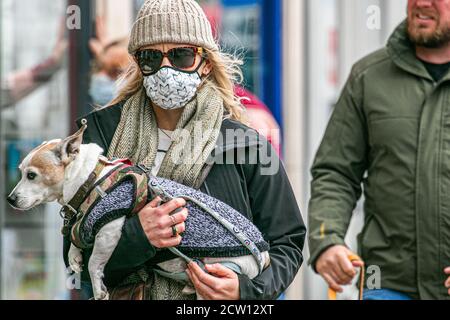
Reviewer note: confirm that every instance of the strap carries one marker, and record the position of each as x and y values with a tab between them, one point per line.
178	253
332	295
102	188
250	245
243	239
184	278
115	161
70	210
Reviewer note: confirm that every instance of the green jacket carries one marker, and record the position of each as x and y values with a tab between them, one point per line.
390	134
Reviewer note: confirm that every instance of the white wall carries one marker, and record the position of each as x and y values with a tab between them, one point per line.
294	122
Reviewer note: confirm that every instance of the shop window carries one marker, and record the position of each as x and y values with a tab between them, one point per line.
34	108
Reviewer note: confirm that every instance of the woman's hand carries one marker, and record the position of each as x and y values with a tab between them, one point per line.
220	284
157	222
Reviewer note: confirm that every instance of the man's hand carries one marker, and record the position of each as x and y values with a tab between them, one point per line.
335	267
220	284
447	283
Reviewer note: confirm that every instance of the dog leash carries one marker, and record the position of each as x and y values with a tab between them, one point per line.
245	241
70	210
184	278
332	295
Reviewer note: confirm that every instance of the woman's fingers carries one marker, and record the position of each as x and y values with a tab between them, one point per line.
202	276
158	223
201	288
168	243
220	271
155	202
169	207
168	232
149	207
166	227
175	219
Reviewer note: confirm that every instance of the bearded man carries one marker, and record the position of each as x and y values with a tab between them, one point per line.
390	136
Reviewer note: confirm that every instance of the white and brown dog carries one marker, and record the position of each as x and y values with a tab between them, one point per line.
55	171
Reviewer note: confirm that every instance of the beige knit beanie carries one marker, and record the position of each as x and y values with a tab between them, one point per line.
171	21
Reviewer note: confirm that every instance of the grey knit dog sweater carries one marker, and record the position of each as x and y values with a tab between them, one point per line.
204	235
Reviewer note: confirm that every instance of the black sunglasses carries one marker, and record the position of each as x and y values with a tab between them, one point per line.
150	60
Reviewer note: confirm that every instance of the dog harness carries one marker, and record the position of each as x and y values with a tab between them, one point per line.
215	229
87	224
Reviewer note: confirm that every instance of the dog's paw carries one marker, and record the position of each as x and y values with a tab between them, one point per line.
100	291
75	260
102	295
76	264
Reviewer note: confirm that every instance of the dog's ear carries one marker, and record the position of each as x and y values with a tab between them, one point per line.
69	148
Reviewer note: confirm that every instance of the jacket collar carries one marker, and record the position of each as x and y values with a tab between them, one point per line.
70	210
403	53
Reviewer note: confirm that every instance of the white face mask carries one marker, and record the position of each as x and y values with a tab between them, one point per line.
103	89
172	89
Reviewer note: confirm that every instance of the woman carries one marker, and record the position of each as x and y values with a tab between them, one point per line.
175	107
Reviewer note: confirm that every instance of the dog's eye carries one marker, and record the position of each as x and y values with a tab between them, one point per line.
31	176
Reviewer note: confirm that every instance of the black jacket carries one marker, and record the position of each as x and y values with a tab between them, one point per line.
267	200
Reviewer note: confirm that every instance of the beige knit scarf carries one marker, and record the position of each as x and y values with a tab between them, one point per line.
197	131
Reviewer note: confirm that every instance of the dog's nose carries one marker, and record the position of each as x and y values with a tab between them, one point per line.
12	198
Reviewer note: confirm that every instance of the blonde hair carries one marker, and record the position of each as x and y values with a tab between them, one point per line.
225	74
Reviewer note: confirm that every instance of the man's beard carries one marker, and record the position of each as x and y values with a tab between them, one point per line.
437	39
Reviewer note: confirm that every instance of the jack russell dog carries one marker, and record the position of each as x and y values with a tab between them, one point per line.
97	195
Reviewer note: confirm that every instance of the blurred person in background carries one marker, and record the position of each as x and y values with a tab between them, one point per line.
111	60
177	81
390	122
20	84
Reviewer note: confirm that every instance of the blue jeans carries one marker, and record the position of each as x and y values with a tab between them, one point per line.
384	294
